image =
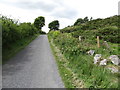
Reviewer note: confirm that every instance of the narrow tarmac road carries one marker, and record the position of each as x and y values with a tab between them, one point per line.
33	67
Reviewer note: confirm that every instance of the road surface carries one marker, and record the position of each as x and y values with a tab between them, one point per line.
33	67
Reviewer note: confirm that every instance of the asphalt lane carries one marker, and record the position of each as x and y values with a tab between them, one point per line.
33	67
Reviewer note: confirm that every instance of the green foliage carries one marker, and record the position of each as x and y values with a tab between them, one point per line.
86	19
14	48
75	51
54	34
91	18
27	29
54	25
39	22
101	23
13	32
98	23
107	29
70	29
81	63
79	21
110	33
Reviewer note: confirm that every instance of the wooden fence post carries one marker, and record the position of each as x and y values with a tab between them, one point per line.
98	41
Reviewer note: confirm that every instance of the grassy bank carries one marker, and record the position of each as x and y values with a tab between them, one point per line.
15	47
77	68
77	59
70	79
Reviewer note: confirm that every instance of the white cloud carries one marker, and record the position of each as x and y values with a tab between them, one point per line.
66	11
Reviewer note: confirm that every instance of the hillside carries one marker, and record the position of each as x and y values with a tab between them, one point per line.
75	52
106	28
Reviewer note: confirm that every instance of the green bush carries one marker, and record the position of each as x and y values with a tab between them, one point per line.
13	31
54	34
70	29
110	34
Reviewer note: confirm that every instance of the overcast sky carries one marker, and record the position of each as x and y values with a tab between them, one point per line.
66	11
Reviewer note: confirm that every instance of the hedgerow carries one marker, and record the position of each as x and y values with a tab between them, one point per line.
13	31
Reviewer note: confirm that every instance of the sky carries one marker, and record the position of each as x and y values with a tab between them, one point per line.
66	11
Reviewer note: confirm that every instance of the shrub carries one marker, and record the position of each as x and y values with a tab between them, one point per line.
13	31
110	34
54	34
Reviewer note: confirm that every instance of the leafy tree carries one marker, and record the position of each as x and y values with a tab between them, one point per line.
91	18
39	22
86	19
79	21
54	25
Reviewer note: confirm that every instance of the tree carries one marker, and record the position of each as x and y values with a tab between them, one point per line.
91	18
86	19
79	21
39	22
54	25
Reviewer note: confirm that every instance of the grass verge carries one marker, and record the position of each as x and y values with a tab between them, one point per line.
76	66
70	79
14	48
